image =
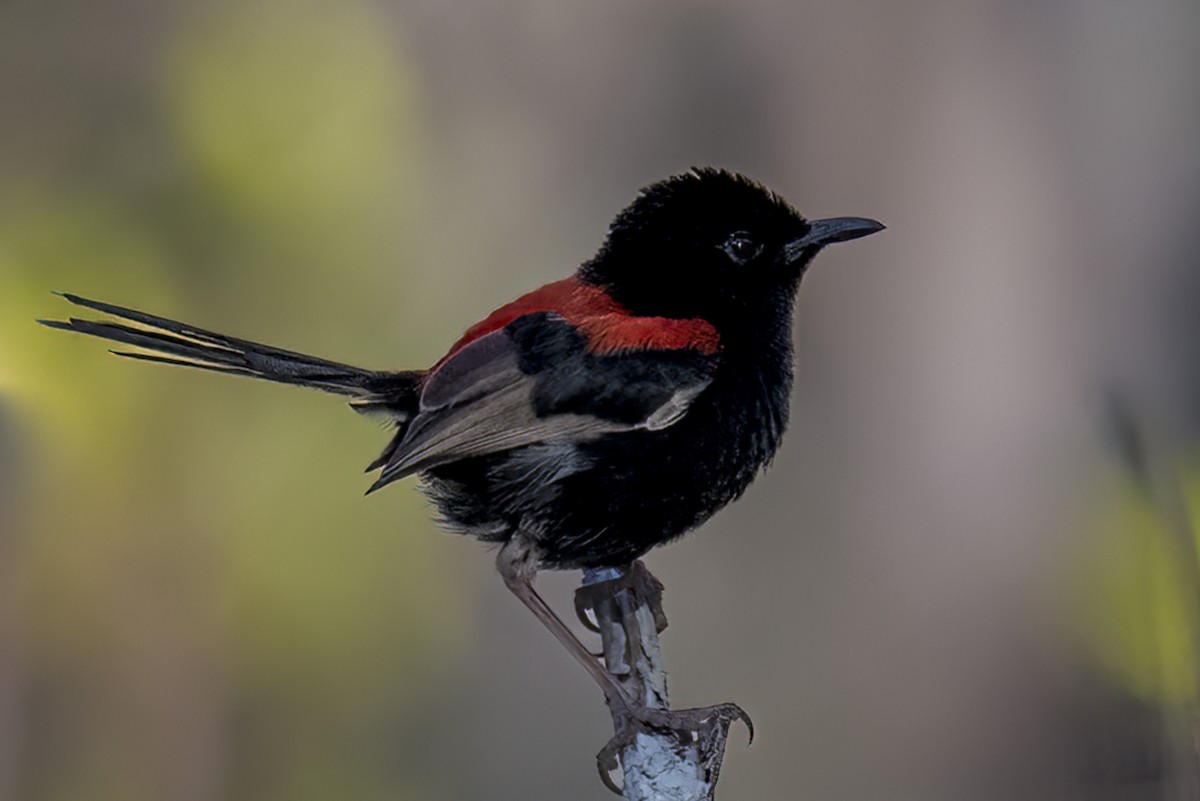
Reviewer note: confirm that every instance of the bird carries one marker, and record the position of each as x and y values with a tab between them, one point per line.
596	417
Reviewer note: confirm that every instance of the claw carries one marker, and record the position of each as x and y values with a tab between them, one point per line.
650	589
607	761
728	713
745	718
581	611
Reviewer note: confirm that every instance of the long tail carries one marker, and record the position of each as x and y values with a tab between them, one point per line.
392	394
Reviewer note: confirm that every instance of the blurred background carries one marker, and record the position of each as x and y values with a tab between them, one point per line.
970	574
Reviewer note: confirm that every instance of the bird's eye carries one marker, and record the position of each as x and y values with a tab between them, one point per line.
741	247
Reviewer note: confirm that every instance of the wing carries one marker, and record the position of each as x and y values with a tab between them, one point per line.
536	380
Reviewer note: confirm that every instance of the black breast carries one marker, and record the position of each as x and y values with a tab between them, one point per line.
647	488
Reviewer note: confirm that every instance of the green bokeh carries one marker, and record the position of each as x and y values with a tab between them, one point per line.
199	573
1138	603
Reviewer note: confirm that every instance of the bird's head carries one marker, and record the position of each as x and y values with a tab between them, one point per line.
711	244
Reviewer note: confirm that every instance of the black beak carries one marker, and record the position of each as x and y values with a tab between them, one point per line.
826	232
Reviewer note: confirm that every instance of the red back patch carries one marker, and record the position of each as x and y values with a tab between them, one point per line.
608	325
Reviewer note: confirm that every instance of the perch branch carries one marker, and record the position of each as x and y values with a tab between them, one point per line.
659	759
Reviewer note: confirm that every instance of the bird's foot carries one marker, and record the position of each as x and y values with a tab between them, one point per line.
637	579
707	727
606	604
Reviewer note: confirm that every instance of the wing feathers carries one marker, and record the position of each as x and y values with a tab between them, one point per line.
487	364
535	381
509	424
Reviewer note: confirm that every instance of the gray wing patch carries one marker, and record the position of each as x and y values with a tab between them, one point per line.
485	365
499	421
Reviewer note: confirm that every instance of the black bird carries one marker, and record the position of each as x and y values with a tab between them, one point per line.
596	417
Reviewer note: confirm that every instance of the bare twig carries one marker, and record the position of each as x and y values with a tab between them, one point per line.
663	756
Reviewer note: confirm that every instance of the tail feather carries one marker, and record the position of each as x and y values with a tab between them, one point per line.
194	333
172	342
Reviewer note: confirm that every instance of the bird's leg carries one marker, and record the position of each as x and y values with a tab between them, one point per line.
517	567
